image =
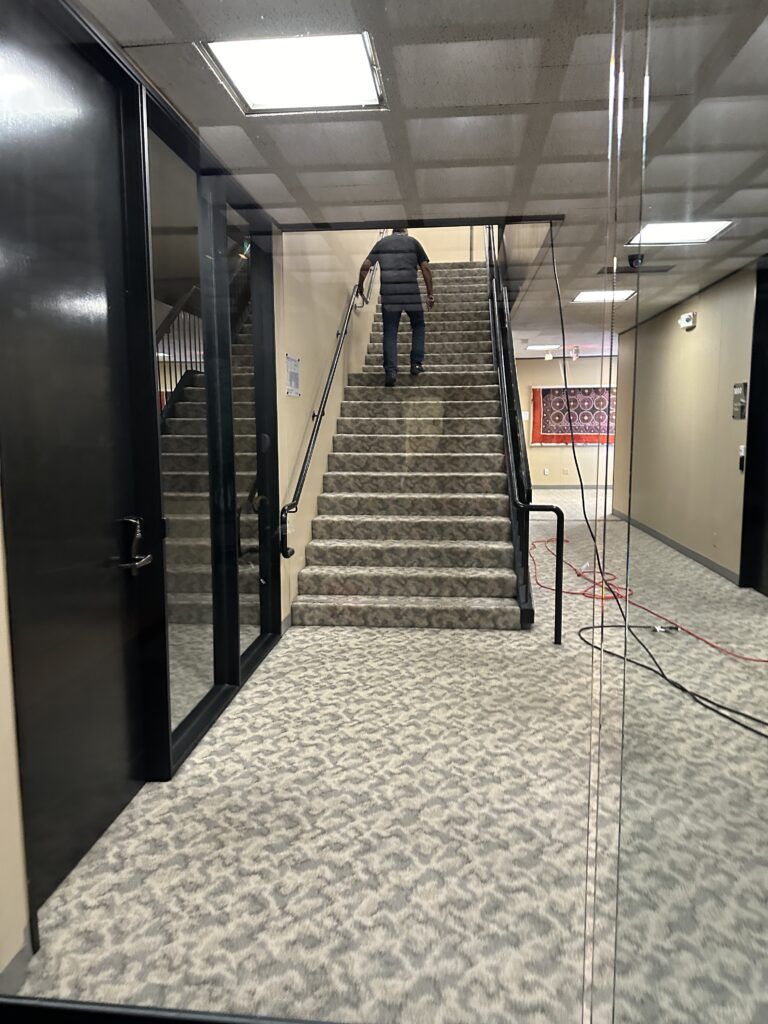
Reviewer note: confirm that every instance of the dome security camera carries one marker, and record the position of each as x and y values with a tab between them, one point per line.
636	260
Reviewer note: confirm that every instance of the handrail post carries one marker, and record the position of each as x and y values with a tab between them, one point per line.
516	452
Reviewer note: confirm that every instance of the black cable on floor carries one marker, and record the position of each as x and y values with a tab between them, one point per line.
716	707
706	702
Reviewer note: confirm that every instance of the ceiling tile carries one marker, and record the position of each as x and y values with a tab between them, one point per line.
466	138
266	189
737	122
464	74
350	186
747	201
503	17
748	72
288	214
130	23
181	74
455	211
687	171
464	183
570	178
373	214
244	19
233	147
331	142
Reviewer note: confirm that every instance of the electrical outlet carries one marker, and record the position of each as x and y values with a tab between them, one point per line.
566	471
546	471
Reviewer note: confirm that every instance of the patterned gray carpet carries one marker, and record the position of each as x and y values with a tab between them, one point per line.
389	827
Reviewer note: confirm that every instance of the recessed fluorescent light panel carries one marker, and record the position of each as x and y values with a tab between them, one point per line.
619	295
682	232
542	346
270	76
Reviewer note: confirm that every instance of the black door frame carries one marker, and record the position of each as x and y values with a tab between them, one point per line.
217	189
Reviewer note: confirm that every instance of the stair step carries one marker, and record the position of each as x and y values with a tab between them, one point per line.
445	362
438	348
415	462
409	408
432	378
443	321
349	504
455	553
197	609
415	426
431	528
194	426
421	390
416	483
196	579
197	483
419	443
406	612
191	525
436	337
197	410
185	462
397	581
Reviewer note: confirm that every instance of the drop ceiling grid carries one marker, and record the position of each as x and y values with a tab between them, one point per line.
500	109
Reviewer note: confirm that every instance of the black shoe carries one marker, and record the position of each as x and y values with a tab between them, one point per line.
390	380
416	369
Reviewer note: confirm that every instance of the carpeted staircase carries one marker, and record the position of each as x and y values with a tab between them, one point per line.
413	526
186	502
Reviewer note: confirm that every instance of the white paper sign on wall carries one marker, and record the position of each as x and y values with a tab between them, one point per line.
526	415
292	376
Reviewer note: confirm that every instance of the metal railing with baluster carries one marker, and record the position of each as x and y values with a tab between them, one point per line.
515	448
178	349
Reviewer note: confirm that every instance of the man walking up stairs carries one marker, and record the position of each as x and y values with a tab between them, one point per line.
413	527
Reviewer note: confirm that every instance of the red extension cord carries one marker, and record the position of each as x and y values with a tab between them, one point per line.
605	589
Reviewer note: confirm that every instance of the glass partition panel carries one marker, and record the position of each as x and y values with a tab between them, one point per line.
690	488
184	440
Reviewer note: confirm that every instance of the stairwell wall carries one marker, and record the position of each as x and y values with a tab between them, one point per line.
687	487
14	947
314	272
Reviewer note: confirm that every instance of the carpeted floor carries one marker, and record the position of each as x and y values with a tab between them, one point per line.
390	826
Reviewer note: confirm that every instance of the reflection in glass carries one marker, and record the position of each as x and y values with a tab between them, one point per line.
693	884
182	403
245	428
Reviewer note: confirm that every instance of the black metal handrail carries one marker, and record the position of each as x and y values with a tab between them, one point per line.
515	449
293	505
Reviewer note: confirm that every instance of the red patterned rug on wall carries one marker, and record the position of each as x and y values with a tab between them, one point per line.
593	411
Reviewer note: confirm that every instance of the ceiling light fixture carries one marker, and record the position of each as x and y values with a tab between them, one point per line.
610	295
542	346
288	75
679	232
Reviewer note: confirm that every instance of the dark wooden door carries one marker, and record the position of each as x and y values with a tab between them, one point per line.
70	454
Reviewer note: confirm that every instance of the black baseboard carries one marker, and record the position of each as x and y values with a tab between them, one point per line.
727	574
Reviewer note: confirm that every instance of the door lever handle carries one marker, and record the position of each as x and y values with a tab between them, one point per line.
136	563
137	560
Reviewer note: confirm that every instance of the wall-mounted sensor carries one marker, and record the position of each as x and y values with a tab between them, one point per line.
687	321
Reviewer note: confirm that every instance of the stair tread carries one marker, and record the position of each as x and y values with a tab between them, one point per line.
428	571
431	544
394	602
407	519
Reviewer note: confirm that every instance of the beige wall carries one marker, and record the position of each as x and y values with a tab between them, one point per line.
558	459
452	245
314	274
13	885
686	482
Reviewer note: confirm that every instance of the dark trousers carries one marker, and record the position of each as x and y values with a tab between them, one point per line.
391	318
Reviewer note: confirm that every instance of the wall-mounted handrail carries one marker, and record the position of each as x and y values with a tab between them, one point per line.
293	505
518	472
